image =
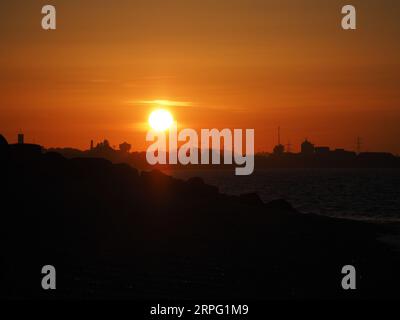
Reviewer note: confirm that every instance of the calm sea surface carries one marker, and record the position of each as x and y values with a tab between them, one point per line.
350	193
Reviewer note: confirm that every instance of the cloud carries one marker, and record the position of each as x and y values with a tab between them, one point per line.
164	103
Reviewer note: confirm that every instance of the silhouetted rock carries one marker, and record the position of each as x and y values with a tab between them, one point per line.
281	205
196	185
112	232
3	142
3	146
251	198
26	150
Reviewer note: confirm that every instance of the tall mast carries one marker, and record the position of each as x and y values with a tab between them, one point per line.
279	135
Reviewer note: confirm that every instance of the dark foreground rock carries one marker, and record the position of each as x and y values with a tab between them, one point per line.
112	232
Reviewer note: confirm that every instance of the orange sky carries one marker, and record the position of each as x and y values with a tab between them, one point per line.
236	64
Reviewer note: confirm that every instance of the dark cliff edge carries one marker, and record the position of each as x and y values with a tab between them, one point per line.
112	232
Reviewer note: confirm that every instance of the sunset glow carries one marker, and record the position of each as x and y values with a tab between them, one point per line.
245	67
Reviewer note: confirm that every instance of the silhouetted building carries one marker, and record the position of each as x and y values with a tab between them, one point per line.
322	150
20	138
279	149
344	152
105	145
91	145
376	156
307	148
125	147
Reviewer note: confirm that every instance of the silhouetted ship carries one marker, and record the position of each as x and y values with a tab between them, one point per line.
112	232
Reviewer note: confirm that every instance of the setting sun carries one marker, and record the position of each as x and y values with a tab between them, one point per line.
160	120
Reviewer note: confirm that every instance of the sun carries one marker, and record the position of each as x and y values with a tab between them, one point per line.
160	120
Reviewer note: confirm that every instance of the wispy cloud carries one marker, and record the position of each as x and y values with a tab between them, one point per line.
164	103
